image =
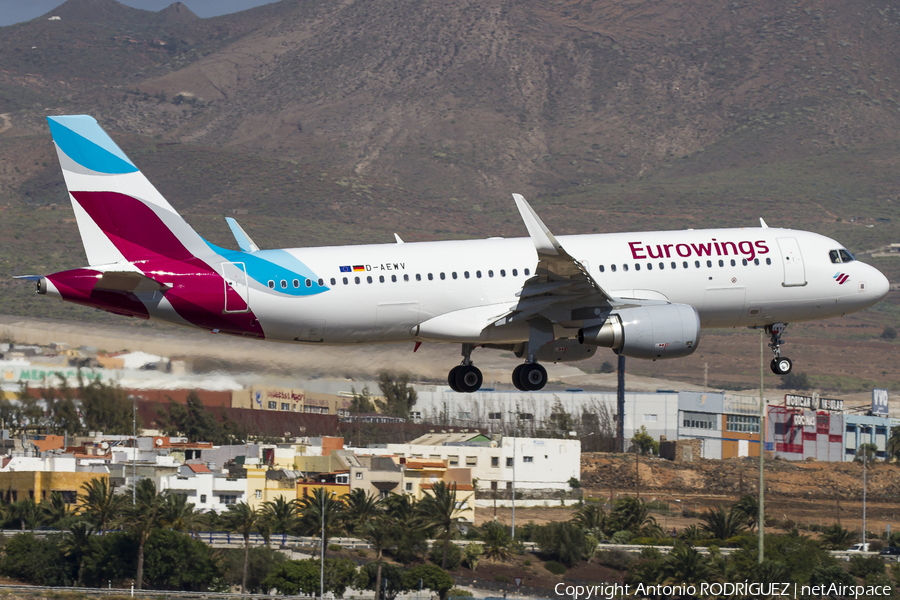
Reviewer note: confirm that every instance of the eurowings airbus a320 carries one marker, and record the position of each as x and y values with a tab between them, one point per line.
547	299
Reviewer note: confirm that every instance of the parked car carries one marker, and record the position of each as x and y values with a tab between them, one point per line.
860	547
890	551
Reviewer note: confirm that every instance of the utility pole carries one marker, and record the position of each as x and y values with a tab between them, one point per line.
865	464
322	556
762	452
133	450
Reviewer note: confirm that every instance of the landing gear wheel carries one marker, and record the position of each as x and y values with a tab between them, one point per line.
782	366
451	379
516	378
468	378
533	377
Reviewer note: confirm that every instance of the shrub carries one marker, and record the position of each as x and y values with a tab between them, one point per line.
615	559
458	593
335	547
454	555
863	566
622	537
501	578
527	562
555	567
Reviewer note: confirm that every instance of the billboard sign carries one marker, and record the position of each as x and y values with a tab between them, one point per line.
880	403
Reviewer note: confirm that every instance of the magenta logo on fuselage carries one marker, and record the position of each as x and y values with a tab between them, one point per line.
748	249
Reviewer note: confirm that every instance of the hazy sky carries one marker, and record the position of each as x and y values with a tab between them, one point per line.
15	11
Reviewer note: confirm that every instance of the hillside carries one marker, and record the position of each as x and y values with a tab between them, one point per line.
316	121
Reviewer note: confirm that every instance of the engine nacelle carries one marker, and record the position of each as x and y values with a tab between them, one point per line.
664	331
562	350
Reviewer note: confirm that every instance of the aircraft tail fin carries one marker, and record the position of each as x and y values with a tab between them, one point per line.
120	215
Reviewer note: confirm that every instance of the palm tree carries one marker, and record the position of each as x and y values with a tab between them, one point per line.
360	506
179	514
311	515
242	519
684	563
280	515
438	512
54	510
381	532
591	517
838	538
100	504
893	443
76	545
140	519
722	524
27	512
632	514
496	539
748	505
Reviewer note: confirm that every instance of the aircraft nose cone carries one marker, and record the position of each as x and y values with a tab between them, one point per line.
880	285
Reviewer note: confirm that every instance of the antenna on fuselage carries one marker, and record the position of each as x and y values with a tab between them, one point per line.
763	223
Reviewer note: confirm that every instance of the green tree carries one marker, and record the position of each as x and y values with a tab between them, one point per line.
452	559
38	561
302	576
27	513
411	544
685	564
748	507
54	510
399	395
263	561
100	504
360	506
643	442
167	554
361	402
105	407
633	514
867	452
893	443
795	381
439	511
75	545
431	578
241	518
381	532
863	566
472	555
196	423
565	542
592	518
179	514
836	537
393	580
140	520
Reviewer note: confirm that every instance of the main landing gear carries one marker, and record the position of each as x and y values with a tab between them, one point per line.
529	377
780	365
465	378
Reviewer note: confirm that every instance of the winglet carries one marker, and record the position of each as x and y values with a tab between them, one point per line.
243	240
543	240
763	223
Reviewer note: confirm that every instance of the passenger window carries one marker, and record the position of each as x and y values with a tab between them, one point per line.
602	268
333	282
405	277
321	282
453	274
309	283
835	256
846	256
466	274
721	263
393	279
756	261
709	264
356	279
418	277
502	272
733	263
612	268
271	284
345	281
744	261
768	261
283	284
490	273
697	263
625	267
369	278
430	277
685	265
662	265
515	273
527	272
649	266
296	283
637	267
443	276
478	274
381	279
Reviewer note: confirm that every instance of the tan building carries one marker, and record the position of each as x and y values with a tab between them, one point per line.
290	400
29	477
420	475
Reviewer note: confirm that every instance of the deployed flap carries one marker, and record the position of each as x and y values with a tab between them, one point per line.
243	240
129	281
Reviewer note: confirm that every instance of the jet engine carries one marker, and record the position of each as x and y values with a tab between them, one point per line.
663	331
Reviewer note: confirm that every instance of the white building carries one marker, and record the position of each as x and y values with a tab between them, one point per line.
206	490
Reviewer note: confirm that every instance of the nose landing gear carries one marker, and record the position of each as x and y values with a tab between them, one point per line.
780	365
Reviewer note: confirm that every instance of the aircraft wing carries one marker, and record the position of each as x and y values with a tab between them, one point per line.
560	280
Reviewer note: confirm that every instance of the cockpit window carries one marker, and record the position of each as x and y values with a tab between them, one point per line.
835	256
846	256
